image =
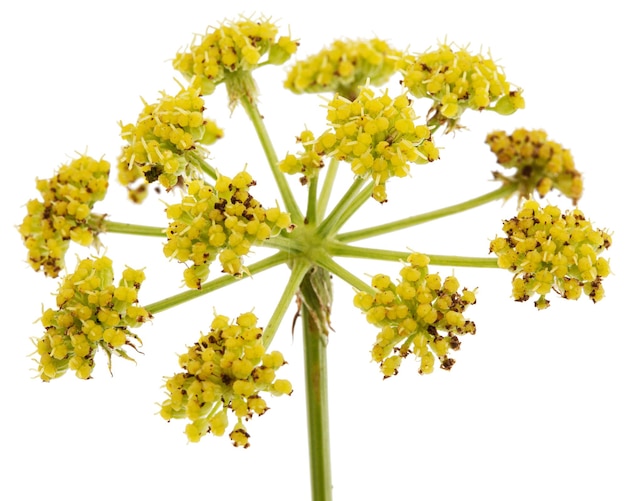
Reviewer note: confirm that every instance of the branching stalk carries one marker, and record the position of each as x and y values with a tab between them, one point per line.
339	249
329	225
311	208
336	269
104	225
501	193
259	125
298	271
213	285
327	188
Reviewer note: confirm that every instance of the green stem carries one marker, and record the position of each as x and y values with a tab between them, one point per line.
336	269
284	243
434	124
327	188
104	225
502	192
363	196
213	285
311	207
342	250
464	261
270	154
316	382
329	225
199	162
298	271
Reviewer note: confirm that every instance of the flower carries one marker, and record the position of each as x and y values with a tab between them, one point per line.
226	369
541	164
457	80
167	142
222	220
63	213
310	161
376	134
421	314
344	67
550	250
91	314
230	52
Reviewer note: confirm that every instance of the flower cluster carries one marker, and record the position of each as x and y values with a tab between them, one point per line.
549	250
344	67
230	52
63	213
227	368
223	220
376	134
421	314
310	161
92	313
166	142
541	164
457	80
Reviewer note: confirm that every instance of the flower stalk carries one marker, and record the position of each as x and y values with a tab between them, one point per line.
503	192
213	285
102	225
327	187
336	216
343	250
272	159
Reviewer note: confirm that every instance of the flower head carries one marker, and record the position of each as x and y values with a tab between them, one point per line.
541	164
376	134
230	52
222	220
226	370
344	67
422	314
63	213
91	314
457	80
550	250
166	142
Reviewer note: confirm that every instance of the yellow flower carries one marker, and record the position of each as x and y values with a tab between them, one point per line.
310	161
224	220
550	250
541	164
226	369
422	315
377	135
92	314
344	67
63	213
230	52
166	142
457	80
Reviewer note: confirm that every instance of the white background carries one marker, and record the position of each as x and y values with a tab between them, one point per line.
533	409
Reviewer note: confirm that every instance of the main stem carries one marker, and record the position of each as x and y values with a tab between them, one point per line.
316	381
315	299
